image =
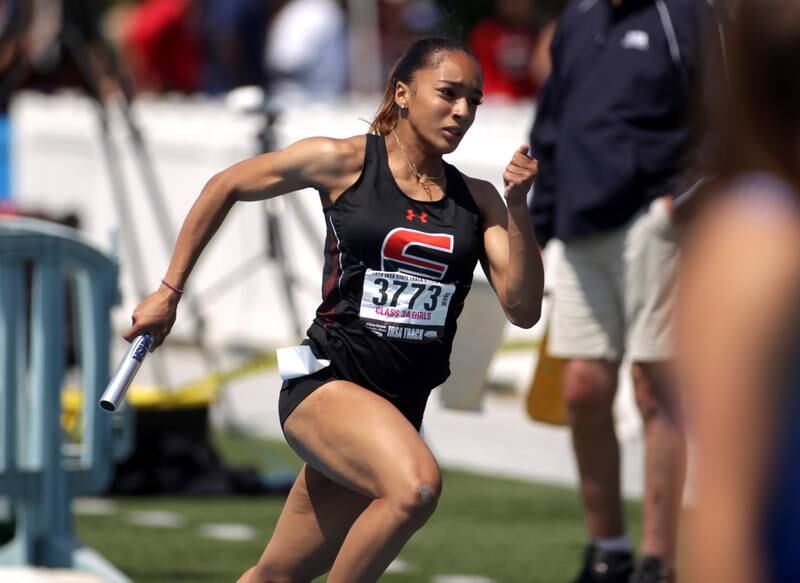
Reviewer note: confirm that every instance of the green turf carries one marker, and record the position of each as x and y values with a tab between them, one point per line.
511	531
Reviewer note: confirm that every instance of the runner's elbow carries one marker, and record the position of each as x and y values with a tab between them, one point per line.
222	186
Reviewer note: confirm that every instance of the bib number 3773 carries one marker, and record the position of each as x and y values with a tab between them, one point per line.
404	307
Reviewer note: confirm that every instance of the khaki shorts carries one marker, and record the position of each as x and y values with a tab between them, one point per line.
613	292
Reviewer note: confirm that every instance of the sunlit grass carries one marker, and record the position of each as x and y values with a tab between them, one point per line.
506	530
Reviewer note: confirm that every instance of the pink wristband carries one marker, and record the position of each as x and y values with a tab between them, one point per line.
173	288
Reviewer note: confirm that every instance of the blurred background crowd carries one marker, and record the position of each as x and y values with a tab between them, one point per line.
306	47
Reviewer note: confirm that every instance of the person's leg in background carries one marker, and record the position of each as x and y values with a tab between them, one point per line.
587	329
651	257
664	470
589	391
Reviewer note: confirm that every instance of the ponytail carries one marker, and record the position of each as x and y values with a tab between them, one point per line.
386	118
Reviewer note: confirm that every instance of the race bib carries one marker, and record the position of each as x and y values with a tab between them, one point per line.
405	307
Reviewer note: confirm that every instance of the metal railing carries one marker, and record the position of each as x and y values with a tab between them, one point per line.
46	273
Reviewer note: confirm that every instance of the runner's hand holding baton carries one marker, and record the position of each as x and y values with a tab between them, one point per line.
119	383
152	321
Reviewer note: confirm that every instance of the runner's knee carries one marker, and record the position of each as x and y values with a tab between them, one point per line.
415	497
267	574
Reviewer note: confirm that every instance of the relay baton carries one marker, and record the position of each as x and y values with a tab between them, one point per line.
119	383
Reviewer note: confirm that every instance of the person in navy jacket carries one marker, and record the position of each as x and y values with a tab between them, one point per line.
611	135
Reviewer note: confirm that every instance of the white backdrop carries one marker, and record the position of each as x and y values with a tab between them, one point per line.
59	166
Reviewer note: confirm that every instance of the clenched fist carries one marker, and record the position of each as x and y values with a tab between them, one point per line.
519	175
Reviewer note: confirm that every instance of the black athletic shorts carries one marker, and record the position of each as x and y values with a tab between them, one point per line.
295	390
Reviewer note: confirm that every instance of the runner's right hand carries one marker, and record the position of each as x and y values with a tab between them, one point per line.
156	315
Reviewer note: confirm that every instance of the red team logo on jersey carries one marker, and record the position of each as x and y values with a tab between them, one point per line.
401	251
411	215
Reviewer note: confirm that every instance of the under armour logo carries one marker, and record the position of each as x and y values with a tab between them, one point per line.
411	215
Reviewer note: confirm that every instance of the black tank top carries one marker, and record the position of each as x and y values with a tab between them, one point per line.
397	272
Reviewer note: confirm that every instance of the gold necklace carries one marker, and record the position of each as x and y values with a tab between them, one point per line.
421	178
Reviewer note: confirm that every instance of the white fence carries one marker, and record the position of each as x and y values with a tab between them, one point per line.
59	166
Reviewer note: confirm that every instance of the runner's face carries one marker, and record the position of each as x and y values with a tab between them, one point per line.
443	101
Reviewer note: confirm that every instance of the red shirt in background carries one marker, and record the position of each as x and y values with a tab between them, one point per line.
164	46
504	53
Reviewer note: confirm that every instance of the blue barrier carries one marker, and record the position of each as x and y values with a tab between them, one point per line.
39	472
5	157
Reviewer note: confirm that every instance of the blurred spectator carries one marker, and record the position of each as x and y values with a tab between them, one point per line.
13	22
53	44
541	65
47	45
503	45
163	46
306	52
739	331
610	133
401	22
545	21
115	23
235	35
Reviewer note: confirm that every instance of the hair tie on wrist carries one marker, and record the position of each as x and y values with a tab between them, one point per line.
173	288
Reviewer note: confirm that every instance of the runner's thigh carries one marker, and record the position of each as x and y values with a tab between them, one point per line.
361	441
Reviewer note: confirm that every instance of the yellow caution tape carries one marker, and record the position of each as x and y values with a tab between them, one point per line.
198	393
